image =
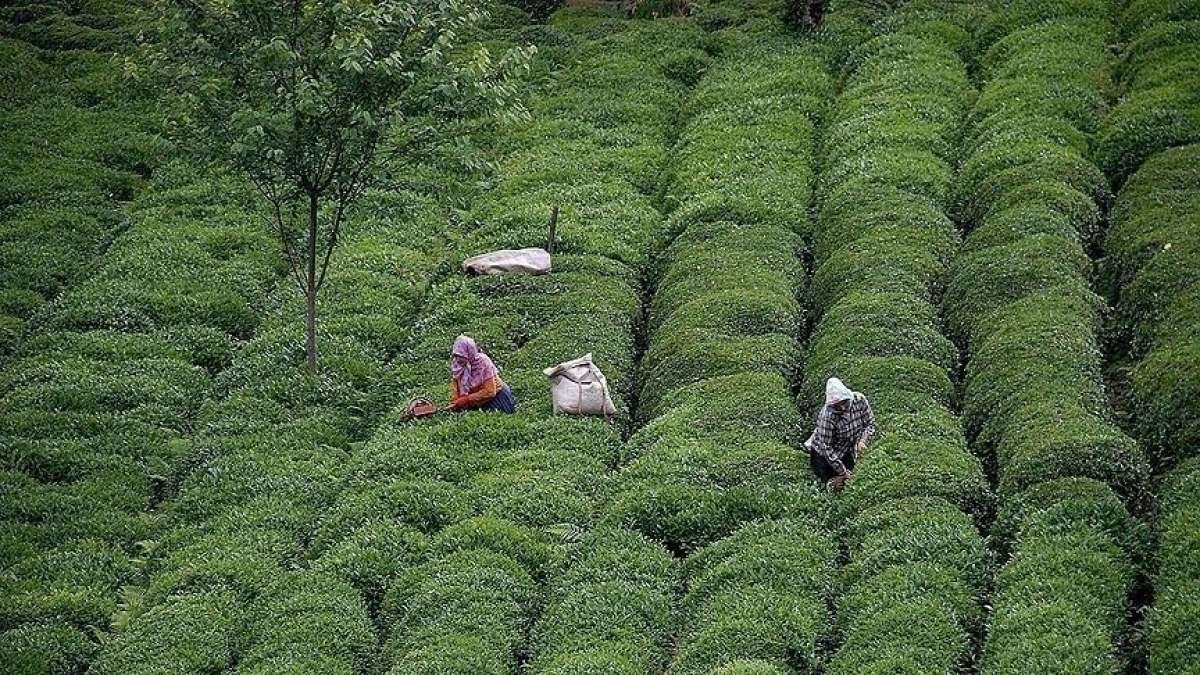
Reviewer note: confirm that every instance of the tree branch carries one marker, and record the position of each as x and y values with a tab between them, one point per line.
333	236
275	201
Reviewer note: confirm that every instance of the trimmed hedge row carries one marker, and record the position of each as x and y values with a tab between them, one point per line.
1151	249
75	144
759	594
1160	103
1019	298
609	609
99	402
1153	257
1151	268
466	611
714	452
1174	646
908	599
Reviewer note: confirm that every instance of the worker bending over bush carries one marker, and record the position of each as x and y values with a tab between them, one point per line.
844	426
475	381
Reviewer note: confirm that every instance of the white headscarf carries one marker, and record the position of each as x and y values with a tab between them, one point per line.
836	391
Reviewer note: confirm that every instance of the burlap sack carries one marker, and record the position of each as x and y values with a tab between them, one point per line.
577	387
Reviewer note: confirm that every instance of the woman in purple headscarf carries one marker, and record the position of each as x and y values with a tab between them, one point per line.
475	381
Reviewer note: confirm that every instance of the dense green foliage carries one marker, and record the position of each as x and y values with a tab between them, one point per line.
75	145
1154	257
1019	297
179	494
106	379
758	594
609	610
1149	143
1160	103
1173	641
882	248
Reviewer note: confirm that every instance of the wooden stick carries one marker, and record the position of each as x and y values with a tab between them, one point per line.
553	227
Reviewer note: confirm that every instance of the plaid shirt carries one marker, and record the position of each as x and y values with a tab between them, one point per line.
837	433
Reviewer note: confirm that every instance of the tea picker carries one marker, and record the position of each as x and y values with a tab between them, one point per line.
475	380
475	384
844	426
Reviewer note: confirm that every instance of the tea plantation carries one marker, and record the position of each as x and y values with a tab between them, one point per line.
982	214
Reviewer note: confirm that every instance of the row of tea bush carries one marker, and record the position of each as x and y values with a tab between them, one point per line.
909	596
713	473
1148	146
1019	299
505	503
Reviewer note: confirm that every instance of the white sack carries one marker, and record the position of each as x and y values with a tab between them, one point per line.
578	387
509	261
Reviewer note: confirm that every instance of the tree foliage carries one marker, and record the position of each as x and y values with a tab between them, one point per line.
309	98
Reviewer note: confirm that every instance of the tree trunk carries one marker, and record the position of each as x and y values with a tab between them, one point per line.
806	14
310	292
816	13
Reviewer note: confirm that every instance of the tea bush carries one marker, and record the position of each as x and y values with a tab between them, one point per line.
466	594
246	562
1172	644
881	252
730	409
1019	298
1073	549
1072	586
327	624
46	647
609	609
192	632
758	594
372	556
1066	502
689	493
1160	108
1151	265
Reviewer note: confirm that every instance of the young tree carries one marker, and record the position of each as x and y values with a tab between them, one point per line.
309	97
